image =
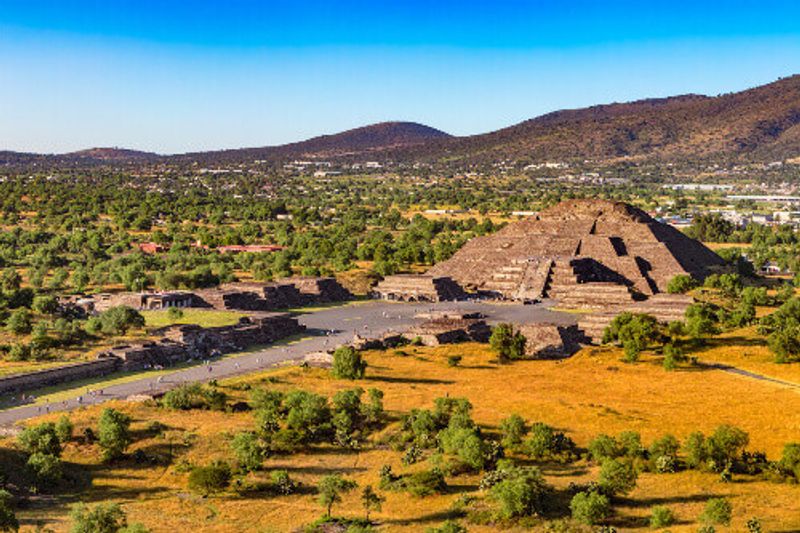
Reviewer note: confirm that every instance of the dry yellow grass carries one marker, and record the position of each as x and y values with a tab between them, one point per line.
591	393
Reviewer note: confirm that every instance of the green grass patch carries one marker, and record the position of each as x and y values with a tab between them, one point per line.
207	318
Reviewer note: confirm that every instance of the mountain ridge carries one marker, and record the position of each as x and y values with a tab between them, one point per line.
761	123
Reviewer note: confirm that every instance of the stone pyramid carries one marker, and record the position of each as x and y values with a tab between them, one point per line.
586	253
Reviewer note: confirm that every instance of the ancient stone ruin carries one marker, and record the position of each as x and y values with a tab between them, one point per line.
178	343
449	331
252	296
551	341
583	253
418	288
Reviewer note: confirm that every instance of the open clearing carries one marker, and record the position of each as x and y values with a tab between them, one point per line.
591	393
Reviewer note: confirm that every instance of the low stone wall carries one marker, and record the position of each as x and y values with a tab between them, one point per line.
179	343
55	376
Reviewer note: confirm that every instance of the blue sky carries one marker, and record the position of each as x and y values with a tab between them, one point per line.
172	76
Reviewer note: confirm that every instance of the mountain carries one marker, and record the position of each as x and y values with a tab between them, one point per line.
363	141
111	154
760	124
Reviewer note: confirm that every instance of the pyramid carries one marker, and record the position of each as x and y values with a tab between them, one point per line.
585	253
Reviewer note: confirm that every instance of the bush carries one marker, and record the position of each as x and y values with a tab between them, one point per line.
330	490
248	450
454	360
717	511
42	438
701	320
64	429
447	527
544	442
282	482
46	468
681	284
604	447
113	432
195	396
118	320
617	477
790	459
102	518
634	331
45	304
661	516
724	446
520	493
174	313
590	507
210	479
348	363
425	483
8	520
513	429
507	343
20	322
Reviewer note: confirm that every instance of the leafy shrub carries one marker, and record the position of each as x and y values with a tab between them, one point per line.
681	284
46	468
545	443
348	363
661	516
113	431
790	459
521	492
717	511
195	396
513	429
102	518
425	483
64	429
617	477
282	482
248	450
604	447
590	507
118	320
8	519
210	479
174	313
507	343
41	438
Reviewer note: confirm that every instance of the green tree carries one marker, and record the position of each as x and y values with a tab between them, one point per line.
513	429
8	519
617	477
248	450
102	518
41	438
371	501
717	511
113	431
681	284
661	516
348	363
118	320
507	343
590	507
45	304
521	492
330	490
64	429
20	322
210	479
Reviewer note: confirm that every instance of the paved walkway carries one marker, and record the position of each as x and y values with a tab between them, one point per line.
327	328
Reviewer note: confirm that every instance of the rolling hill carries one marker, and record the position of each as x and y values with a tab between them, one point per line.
762	123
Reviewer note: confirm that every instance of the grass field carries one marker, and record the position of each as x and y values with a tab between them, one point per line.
206	318
591	393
